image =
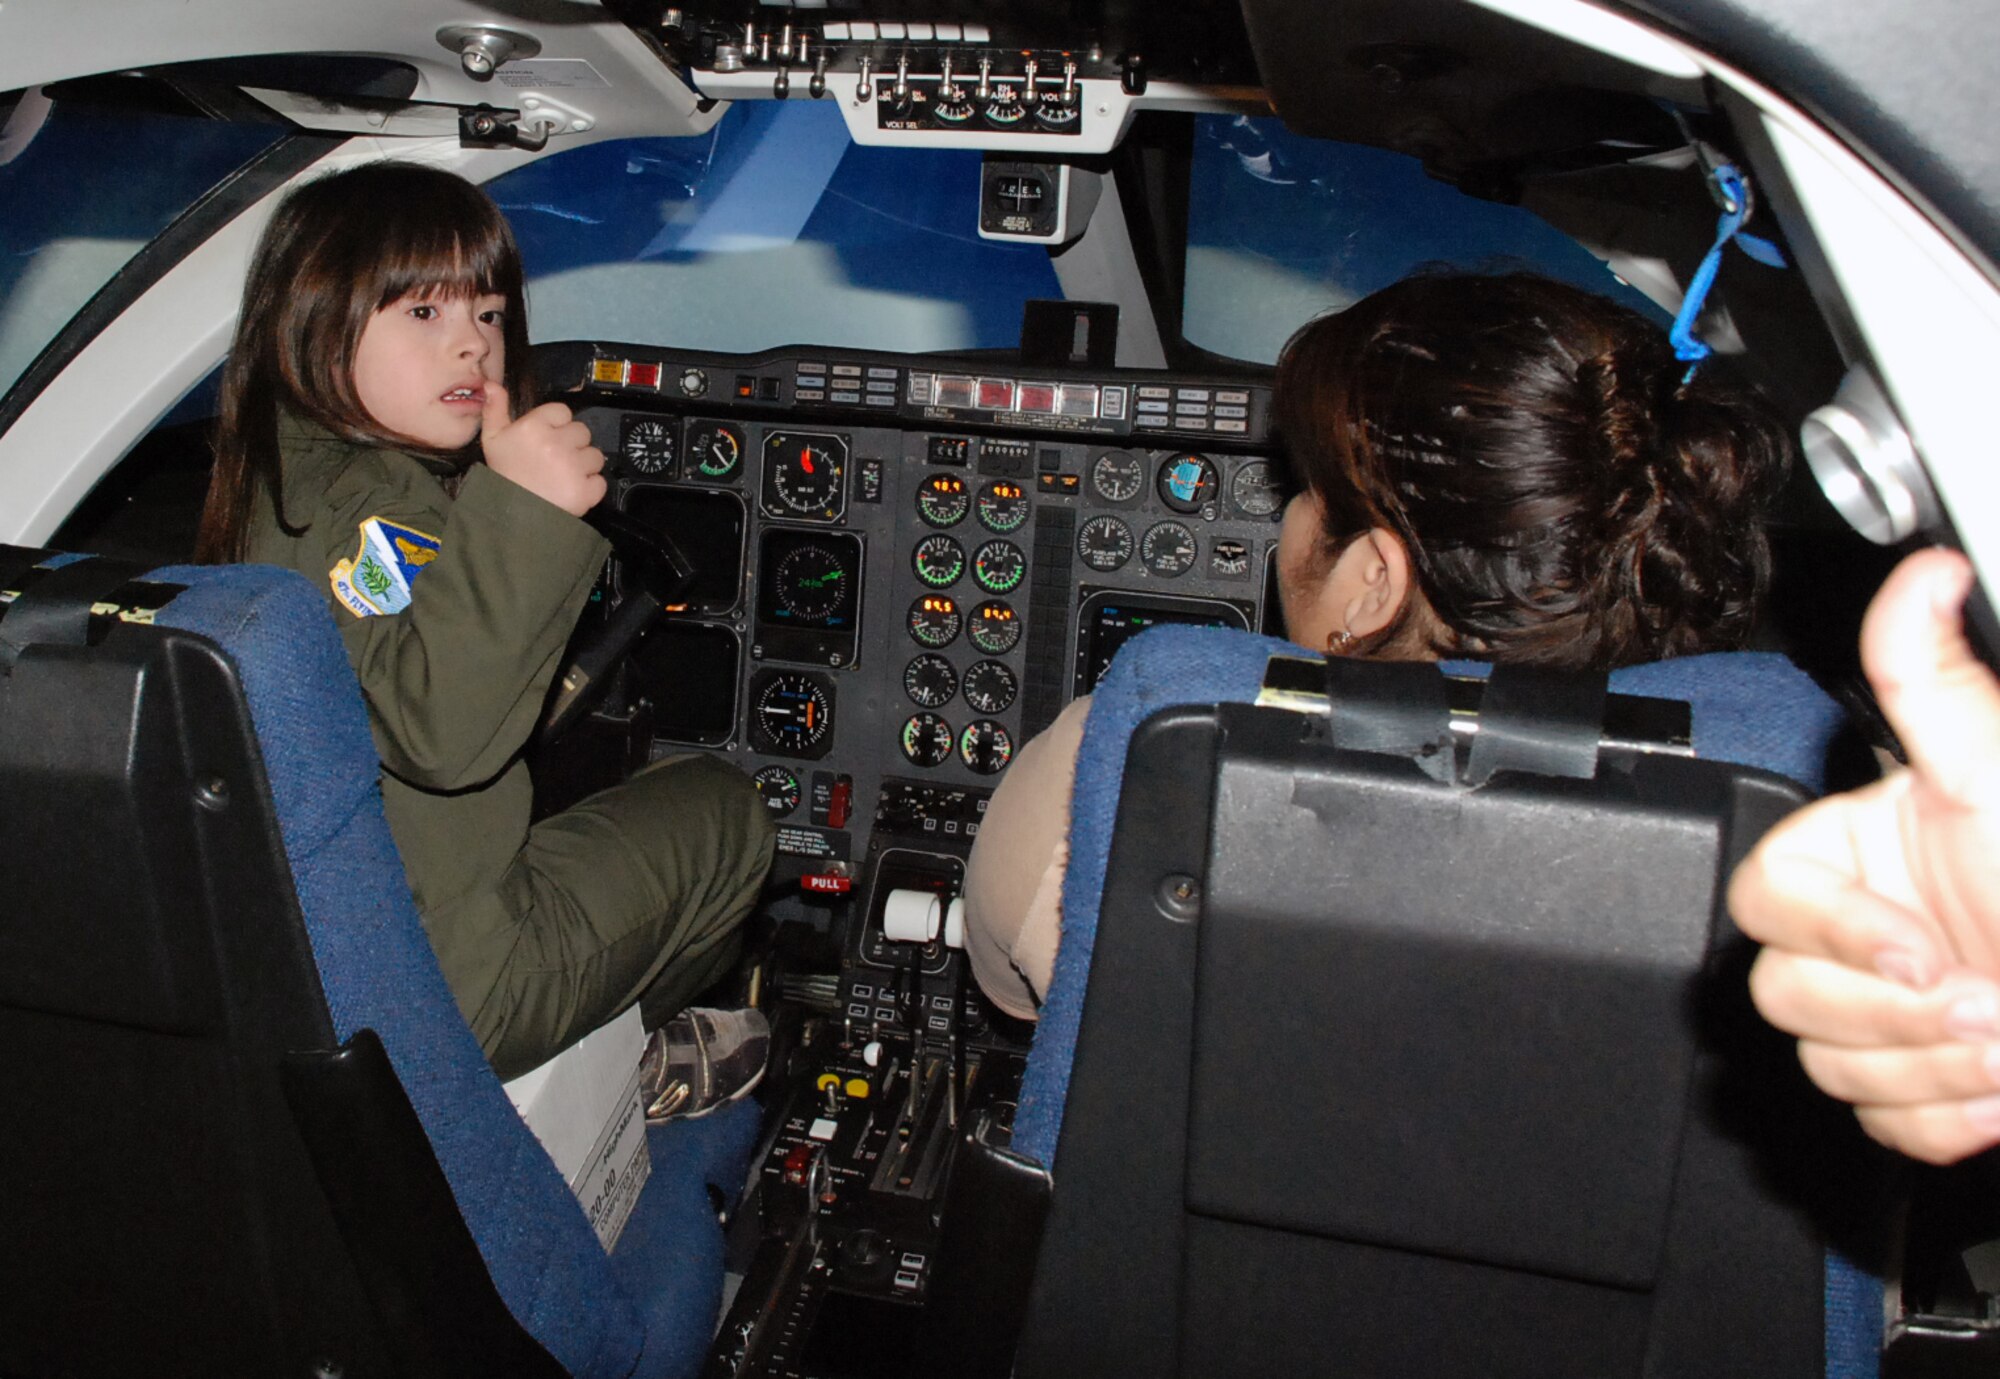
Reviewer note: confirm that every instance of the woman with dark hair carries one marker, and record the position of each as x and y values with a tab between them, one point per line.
371	439
1500	468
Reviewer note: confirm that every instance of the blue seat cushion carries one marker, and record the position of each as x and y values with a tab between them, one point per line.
378	972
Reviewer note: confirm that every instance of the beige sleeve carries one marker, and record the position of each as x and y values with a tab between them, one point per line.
1013	884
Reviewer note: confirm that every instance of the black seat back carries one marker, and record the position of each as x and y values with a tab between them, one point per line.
185	1148
1385	1075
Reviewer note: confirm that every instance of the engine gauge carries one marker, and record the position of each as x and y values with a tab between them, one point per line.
927	740
715	449
1228	560
778	787
792	713
985	746
942	500
1006	110
813	583
805	475
1055	111
1003	506
995	628
934	621
1167	549
1255	491
1117	476
990	687
930	681
953	109
647	445
998	567
1187	482
1105	543
938	561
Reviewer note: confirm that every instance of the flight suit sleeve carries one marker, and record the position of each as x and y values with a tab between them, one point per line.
456	677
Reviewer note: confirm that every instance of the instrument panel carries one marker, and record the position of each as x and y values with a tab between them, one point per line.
907	566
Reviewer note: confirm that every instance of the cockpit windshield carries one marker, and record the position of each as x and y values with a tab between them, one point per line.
1282	227
90	173
772	228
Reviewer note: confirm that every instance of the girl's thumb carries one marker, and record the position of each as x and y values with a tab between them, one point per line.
498	413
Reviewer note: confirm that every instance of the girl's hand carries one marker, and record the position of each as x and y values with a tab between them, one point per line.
548	452
1881	907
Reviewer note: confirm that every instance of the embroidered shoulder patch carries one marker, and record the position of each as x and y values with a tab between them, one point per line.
377	579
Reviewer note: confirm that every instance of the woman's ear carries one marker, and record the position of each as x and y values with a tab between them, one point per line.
1370	582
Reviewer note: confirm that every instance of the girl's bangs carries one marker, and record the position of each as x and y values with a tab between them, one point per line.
433	260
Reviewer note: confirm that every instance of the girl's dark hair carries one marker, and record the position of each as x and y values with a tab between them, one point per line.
1566	498
337	250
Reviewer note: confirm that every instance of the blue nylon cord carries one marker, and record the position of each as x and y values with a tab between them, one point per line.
1736	207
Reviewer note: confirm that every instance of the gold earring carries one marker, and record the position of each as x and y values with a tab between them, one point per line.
1337	643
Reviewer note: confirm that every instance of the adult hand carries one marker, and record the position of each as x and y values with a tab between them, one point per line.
547	451
1880	908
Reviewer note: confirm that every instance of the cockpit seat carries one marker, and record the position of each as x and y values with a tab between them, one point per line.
254	1112
1455	1124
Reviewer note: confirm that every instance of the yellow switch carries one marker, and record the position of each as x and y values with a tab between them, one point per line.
857	1087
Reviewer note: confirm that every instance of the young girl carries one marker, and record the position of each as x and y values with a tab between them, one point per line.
1504	468
370	440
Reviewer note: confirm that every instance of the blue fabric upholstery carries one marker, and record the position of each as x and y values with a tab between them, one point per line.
1754	709
379	972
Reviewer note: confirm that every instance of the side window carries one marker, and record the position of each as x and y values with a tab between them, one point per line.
85	183
1282	228
771	229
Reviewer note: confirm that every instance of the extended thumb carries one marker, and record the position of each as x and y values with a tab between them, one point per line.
1941	700
499	412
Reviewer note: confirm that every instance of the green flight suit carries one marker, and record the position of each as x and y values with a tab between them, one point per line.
544	933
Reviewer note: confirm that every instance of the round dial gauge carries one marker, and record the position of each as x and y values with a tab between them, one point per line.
990	687
1187	482
995	628
998	567
985	746
942	500
794	712
953	109
1117	477
938	561
813	583
647	446
930	681
1005	109
715	449
806	473
1003	506
1105	543
1054	112
927	740
934	621
1167	549
1254	489
779	789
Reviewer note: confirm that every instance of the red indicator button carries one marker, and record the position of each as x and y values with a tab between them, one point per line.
643	376
1038	397
997	394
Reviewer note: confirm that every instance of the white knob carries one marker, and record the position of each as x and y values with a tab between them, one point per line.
954	923
912	916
